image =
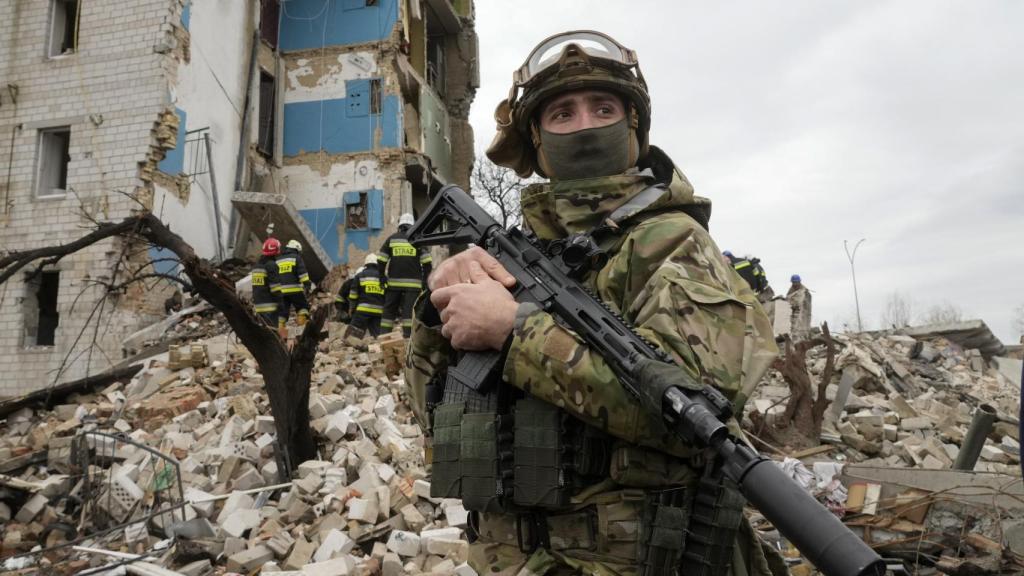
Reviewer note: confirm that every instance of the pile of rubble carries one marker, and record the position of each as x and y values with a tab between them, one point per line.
900	410
177	470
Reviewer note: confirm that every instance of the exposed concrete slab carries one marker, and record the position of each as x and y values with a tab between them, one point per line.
982	488
259	209
969	334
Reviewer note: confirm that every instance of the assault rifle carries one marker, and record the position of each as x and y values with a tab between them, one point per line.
694	411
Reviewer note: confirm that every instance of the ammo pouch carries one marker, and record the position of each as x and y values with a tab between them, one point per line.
472	448
555	455
715	518
691	530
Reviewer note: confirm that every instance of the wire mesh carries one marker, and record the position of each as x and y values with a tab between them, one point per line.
123	480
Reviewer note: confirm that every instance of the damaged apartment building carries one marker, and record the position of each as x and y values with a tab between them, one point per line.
326	119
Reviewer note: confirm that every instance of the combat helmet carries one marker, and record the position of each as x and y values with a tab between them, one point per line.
579	59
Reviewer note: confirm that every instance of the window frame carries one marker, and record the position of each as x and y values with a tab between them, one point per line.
58	8
41	152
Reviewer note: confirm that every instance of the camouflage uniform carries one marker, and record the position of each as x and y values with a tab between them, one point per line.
666	276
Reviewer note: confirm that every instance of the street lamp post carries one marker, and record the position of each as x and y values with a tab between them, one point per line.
850	256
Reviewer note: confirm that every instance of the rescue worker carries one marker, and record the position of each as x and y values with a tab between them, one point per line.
293	283
341	302
799	298
579	114
750	269
404	268
367	300
266	300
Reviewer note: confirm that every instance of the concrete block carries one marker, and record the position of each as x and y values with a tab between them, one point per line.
404	543
915	423
450	533
31	509
235	502
302	552
334	544
281	543
240	521
465	569
342	566
248	561
414	519
455	549
456	515
392	565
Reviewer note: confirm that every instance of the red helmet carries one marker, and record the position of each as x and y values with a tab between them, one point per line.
271	247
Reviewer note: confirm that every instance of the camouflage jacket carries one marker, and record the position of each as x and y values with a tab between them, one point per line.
666	276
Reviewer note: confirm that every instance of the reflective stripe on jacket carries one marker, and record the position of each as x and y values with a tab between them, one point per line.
405	265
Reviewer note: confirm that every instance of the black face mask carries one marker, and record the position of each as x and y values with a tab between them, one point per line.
589	153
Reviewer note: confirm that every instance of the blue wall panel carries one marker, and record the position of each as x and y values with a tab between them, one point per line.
327	125
186	14
316	23
165	265
174	161
324	224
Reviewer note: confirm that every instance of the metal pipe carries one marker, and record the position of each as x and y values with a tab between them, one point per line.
981	425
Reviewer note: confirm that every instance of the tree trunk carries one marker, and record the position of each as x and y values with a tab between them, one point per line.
286	375
804	412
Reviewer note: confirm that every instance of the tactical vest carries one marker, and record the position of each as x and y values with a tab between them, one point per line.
514	458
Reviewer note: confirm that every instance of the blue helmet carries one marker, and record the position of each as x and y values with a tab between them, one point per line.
727	254
795	278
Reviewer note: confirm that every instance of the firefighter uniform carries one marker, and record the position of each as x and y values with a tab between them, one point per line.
266	302
405	267
293	281
366	297
341	301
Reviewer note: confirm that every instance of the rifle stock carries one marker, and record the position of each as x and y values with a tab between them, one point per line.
694	411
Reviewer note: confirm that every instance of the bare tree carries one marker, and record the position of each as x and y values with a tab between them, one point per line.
286	373
898	311
943	314
805	408
497	189
1018	320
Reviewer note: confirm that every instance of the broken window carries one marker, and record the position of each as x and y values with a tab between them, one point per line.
376	96
41	316
269	15
436	68
356	212
63	27
265	139
53	158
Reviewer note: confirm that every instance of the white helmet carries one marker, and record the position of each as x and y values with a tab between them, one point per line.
370	259
294	244
406	219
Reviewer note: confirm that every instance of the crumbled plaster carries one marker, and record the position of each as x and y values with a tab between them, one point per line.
314	77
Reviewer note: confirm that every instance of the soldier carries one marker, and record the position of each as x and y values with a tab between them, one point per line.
265	298
367	300
405	269
293	283
579	114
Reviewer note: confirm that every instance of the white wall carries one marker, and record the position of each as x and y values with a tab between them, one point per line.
211	91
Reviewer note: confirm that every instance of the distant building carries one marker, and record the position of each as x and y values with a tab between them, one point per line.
327	118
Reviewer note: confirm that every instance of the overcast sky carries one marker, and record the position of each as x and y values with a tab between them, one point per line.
812	122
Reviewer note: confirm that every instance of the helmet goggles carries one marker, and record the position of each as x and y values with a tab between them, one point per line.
546	58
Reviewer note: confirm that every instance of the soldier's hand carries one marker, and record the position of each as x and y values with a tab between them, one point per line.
478	315
456	270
